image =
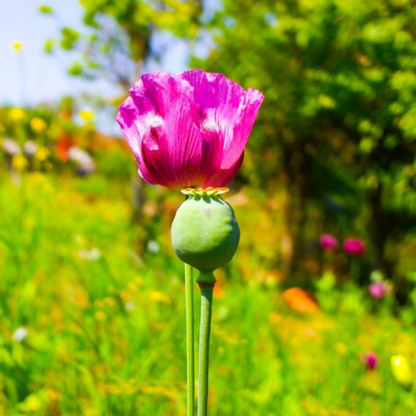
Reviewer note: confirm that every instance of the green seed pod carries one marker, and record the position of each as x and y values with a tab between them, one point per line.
205	232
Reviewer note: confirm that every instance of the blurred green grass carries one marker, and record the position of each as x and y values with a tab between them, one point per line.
105	325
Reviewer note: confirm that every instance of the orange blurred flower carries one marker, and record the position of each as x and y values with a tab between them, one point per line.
62	147
218	289
299	300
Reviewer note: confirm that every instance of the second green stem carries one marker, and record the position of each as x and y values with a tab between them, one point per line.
190	360
206	283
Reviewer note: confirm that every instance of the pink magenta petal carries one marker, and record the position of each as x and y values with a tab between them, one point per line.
226	108
249	107
170	143
188	130
126	118
224	176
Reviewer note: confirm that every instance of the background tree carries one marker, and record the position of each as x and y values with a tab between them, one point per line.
119	36
339	80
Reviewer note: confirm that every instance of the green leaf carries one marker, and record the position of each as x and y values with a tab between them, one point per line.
45	9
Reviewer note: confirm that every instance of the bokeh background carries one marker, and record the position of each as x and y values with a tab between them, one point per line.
315	315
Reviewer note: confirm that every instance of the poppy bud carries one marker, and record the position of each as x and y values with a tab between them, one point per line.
205	232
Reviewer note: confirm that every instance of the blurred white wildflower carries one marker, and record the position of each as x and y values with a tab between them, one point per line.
91	255
20	334
130	306
30	148
153	246
83	160
10	147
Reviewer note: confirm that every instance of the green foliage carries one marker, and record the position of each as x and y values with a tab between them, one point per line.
347	67
138	17
45	9
115	162
340	86
118	35
105	332
75	69
49	46
69	38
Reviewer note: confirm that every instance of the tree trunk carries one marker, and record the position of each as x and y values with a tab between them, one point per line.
295	211
378	228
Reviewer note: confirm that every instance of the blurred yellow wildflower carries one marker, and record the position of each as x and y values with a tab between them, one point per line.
17	46
109	301
38	125
16	114
86	115
53	394
229	337
401	370
100	316
160	297
19	162
125	295
32	403
160	391
90	411
42	153
133	286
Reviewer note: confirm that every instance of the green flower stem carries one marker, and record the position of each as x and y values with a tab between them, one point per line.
190	357
206	283
355	270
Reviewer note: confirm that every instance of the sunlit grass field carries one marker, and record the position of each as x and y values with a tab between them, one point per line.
92	320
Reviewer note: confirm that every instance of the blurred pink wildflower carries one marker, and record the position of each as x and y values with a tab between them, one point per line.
371	360
328	242
190	129
378	289
354	246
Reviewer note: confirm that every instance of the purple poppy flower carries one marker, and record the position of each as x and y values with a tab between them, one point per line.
354	246
188	130
378	289
371	360
328	242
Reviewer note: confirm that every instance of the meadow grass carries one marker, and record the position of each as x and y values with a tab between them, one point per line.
105	322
